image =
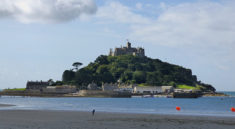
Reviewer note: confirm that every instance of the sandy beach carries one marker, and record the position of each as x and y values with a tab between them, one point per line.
30	119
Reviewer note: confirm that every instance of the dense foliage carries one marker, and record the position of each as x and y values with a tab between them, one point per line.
131	69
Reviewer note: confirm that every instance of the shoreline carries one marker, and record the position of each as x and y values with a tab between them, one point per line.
180	113
216	94
34	119
6	105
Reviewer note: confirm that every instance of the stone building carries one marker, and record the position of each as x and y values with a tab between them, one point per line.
122	87
118	87
59	89
167	89
36	85
128	50
92	86
109	86
147	89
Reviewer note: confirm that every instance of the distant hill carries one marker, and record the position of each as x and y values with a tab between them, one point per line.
133	69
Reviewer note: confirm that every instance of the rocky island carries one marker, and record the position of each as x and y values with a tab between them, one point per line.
124	72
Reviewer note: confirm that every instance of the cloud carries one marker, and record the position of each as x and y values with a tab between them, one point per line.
201	28
205	29
139	6
189	24
45	11
116	12
196	23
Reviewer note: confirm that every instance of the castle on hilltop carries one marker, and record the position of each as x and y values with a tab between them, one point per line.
128	50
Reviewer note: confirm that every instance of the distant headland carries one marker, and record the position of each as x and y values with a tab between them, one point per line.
124	72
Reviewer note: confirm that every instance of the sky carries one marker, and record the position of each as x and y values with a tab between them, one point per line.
39	39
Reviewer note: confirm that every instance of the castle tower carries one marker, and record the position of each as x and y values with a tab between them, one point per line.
128	45
128	50
111	52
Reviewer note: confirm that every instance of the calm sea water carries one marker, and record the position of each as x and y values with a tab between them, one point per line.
230	93
216	106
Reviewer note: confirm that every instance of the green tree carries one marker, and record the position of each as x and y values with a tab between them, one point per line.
126	77
68	75
76	65
131	69
102	60
139	77
83	77
102	69
107	77
152	78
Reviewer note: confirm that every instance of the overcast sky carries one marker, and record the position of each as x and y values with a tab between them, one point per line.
39	39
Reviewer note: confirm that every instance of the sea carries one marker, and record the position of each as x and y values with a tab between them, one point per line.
203	106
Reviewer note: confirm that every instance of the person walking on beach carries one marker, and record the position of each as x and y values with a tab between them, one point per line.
93	112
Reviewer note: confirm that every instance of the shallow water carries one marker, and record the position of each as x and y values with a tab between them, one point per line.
230	93
216	106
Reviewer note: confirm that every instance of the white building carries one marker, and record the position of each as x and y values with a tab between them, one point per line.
147	89
92	86
187	90
130	90
167	89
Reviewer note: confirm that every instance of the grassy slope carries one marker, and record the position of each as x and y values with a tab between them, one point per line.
197	87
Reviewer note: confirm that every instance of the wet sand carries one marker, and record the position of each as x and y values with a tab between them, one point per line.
6	105
29	119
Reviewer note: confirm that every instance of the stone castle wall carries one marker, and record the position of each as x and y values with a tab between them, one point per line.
128	50
59	90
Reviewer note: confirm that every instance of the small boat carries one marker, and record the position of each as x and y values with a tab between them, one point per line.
136	96
169	96
147	96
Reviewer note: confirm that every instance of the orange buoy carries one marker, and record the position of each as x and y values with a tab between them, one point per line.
178	108
232	109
